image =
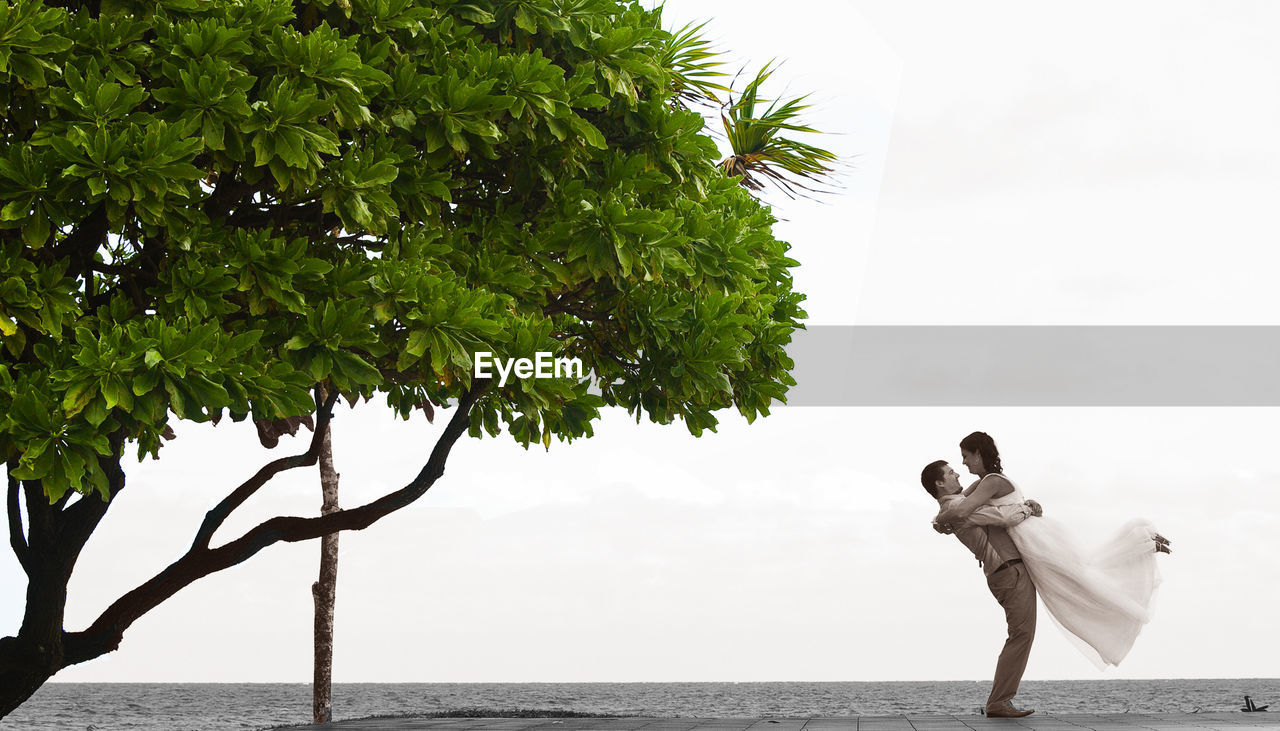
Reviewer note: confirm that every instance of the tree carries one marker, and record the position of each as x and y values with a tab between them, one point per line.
248	209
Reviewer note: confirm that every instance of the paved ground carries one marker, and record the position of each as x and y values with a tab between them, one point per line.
1036	722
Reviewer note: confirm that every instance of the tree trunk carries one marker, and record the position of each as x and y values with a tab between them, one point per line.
47	552
31	658
324	591
23	669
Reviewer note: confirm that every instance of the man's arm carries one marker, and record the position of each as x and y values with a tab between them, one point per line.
992	486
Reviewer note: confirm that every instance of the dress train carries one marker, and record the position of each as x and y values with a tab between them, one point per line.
1099	596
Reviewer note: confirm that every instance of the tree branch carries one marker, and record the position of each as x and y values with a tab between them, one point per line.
84	240
102	268
42	516
281	215
227	192
291	529
17	538
563	301
218	515
106	632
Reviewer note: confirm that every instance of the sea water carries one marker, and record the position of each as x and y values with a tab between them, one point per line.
218	706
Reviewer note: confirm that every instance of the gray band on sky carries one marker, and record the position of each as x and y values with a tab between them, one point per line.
1036	366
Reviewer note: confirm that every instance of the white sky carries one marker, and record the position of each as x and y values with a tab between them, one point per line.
1014	165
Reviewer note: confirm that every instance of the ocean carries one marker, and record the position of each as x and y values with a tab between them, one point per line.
222	706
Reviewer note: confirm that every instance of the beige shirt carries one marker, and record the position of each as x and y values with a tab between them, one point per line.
985	521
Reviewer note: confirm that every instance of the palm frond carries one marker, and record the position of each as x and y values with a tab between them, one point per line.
762	153
694	65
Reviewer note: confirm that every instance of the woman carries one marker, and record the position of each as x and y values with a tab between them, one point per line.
1101	596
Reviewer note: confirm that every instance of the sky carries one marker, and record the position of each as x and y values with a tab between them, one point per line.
1009	163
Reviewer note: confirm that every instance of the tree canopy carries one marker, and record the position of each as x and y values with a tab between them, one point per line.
210	207
223	208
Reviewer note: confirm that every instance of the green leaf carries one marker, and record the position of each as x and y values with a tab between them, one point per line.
95	412
356	369
16	210
589	133
146	382
115	393
213	133
78	396
36	232
419	341
27	68
525	21
474	13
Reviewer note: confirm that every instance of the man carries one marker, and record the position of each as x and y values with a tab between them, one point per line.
982	530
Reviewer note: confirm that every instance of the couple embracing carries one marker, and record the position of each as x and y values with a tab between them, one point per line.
1100	597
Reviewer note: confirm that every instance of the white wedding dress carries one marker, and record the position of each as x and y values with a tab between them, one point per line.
1099	596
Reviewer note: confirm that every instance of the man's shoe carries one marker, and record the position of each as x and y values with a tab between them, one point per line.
1008	711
